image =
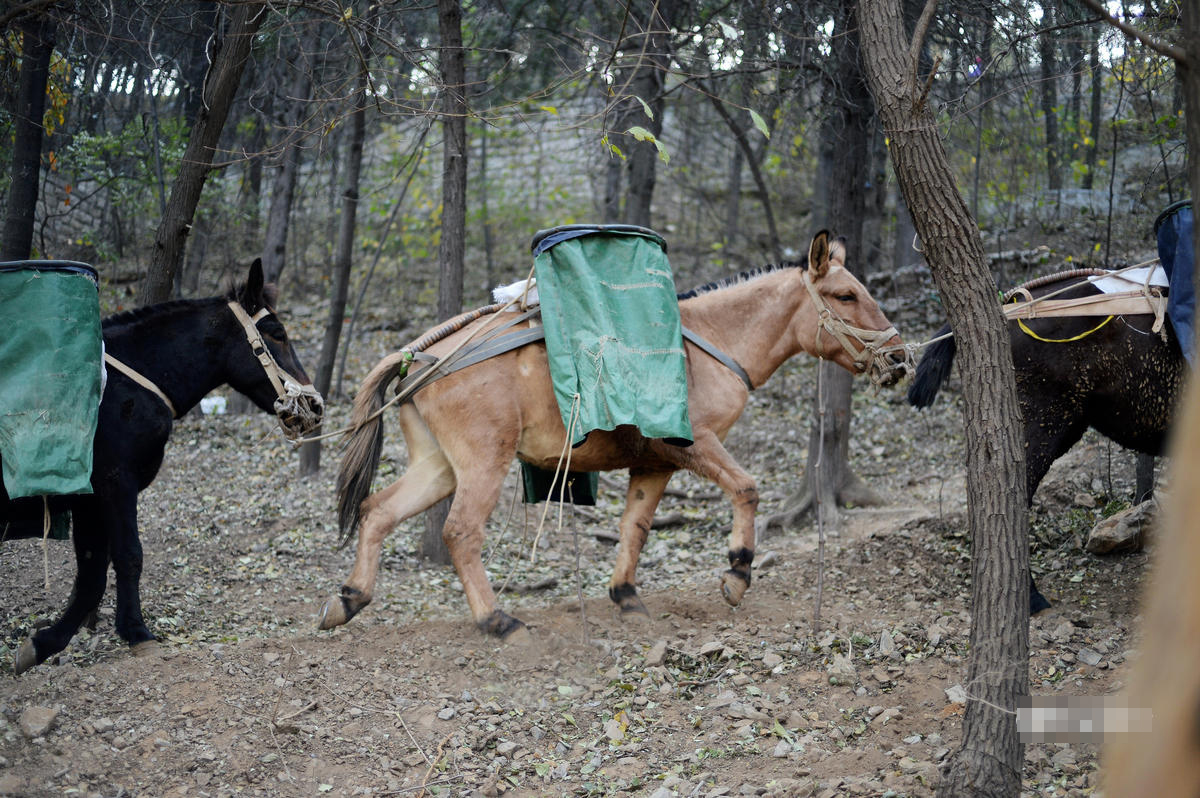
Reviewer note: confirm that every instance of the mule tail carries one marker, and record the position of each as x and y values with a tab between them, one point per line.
933	369
364	444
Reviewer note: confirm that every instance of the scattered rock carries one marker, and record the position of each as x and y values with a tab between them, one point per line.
956	694
841	670
36	721
657	654
613	731
1125	531
1088	656
771	660
887	646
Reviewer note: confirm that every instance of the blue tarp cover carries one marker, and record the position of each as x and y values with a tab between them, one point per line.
1173	228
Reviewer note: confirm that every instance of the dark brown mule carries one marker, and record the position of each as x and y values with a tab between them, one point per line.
464	429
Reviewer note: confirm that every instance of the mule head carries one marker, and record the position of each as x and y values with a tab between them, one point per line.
266	367
850	328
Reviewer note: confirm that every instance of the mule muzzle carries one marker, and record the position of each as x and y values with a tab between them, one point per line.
299	409
890	364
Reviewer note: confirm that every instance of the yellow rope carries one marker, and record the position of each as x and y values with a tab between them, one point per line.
1082	335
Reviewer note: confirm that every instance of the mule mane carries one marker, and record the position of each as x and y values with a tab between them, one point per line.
164	308
743	277
150	311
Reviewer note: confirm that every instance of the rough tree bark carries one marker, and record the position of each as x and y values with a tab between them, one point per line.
845	154
451	251
990	757
37	44
224	76
310	453
283	185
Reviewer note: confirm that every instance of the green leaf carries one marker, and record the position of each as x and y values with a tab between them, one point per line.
641	134
646	108
760	123
550	109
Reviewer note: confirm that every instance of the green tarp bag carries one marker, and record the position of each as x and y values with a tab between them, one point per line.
50	354
613	334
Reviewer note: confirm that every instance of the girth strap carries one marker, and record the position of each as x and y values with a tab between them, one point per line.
140	380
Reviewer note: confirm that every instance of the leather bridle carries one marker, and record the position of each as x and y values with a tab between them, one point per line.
869	354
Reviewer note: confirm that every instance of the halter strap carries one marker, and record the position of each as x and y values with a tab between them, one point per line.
837	327
141	380
298	407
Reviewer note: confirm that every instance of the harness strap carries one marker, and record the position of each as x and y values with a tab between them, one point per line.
515	339
141	380
258	347
723	358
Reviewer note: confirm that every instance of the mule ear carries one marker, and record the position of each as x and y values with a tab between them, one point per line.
252	293
837	252
818	255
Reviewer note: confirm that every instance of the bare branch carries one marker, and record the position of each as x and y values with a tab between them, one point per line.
918	39
1157	45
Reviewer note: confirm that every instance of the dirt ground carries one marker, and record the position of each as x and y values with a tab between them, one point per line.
246	697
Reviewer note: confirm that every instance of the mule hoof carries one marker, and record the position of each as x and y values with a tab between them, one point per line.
337	612
733	587
26	658
502	625
332	614
626	597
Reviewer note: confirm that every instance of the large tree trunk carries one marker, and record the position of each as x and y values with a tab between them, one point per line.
37	44
451	252
283	186
224	76
845	156
990	758
310	453
1047	52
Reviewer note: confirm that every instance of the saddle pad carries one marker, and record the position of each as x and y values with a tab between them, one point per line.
50	355
613	333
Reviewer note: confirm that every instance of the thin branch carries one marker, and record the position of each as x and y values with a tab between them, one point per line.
32	7
1157	45
918	39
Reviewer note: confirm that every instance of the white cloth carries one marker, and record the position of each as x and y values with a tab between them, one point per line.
1130	280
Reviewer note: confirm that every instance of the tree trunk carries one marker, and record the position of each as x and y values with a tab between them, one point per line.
1047	46
37	44
844	171
451	252
283	186
1097	83
224	76
310	453
990	758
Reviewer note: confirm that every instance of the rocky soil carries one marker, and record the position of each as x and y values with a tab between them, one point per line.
247	698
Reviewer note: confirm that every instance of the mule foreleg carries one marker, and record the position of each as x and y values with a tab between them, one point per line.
641	500
708	458
125	550
91	576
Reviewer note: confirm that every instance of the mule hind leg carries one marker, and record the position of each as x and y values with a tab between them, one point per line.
641	500
91	576
480	480
428	479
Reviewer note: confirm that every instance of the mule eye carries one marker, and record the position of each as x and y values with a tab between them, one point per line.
845	298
